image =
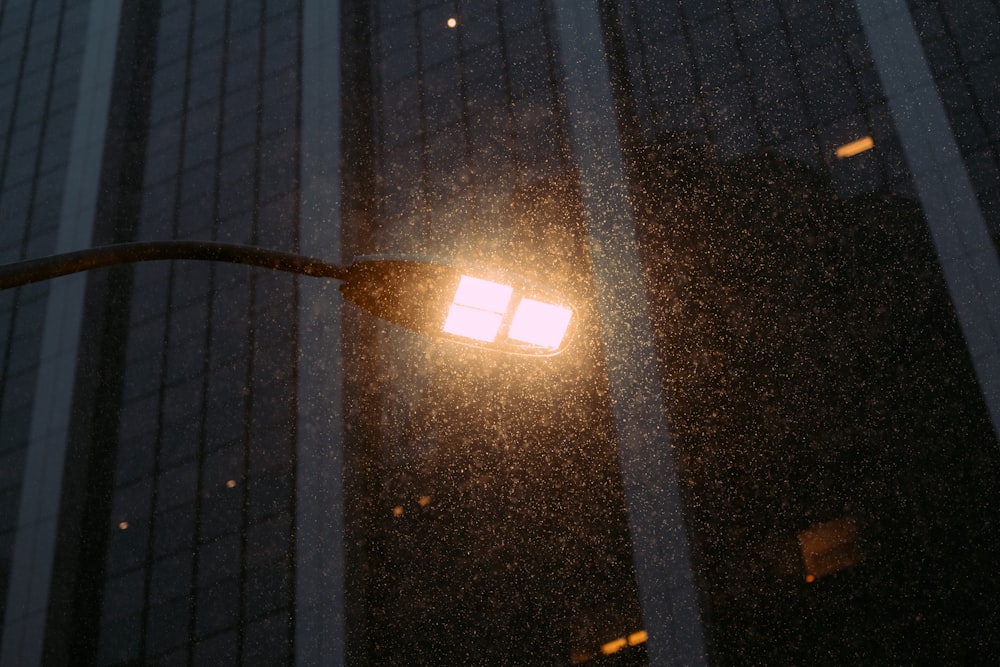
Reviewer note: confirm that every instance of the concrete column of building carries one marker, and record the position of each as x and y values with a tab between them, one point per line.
35	541
964	247
319	551
668	596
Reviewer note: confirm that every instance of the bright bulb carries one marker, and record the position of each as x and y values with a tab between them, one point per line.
481	308
541	324
478	309
483	294
472	323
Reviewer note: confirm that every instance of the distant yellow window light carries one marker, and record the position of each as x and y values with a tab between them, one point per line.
859	146
637	638
452	22
614	646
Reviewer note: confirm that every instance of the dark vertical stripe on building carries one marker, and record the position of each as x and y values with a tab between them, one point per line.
78	576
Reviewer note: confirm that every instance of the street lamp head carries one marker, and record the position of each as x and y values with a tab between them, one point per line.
499	312
483	309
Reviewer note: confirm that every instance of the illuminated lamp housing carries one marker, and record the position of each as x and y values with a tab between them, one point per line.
483	309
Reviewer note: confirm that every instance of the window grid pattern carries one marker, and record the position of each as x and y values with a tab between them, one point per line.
463	116
750	76
41	47
200	557
962	49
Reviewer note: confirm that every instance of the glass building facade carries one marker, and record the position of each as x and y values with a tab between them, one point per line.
774	439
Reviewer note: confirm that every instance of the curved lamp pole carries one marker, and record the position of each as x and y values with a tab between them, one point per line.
495	311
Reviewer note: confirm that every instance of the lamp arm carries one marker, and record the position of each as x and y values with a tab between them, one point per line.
46	268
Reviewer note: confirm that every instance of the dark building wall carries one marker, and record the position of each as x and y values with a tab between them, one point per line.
811	353
797	80
199	561
960	43
815	372
746	77
463	116
41	45
78	566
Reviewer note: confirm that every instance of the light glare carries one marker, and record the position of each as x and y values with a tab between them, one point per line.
541	324
473	323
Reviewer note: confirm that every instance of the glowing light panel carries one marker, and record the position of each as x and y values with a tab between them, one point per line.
473	323
478	309
483	294
538	323
485	311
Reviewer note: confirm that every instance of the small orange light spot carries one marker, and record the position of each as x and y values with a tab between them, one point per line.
637	638
123	525
860	146
231	484
424	501
614	646
452	22
810	578
397	510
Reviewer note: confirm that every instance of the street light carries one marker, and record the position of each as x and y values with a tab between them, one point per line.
480	308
